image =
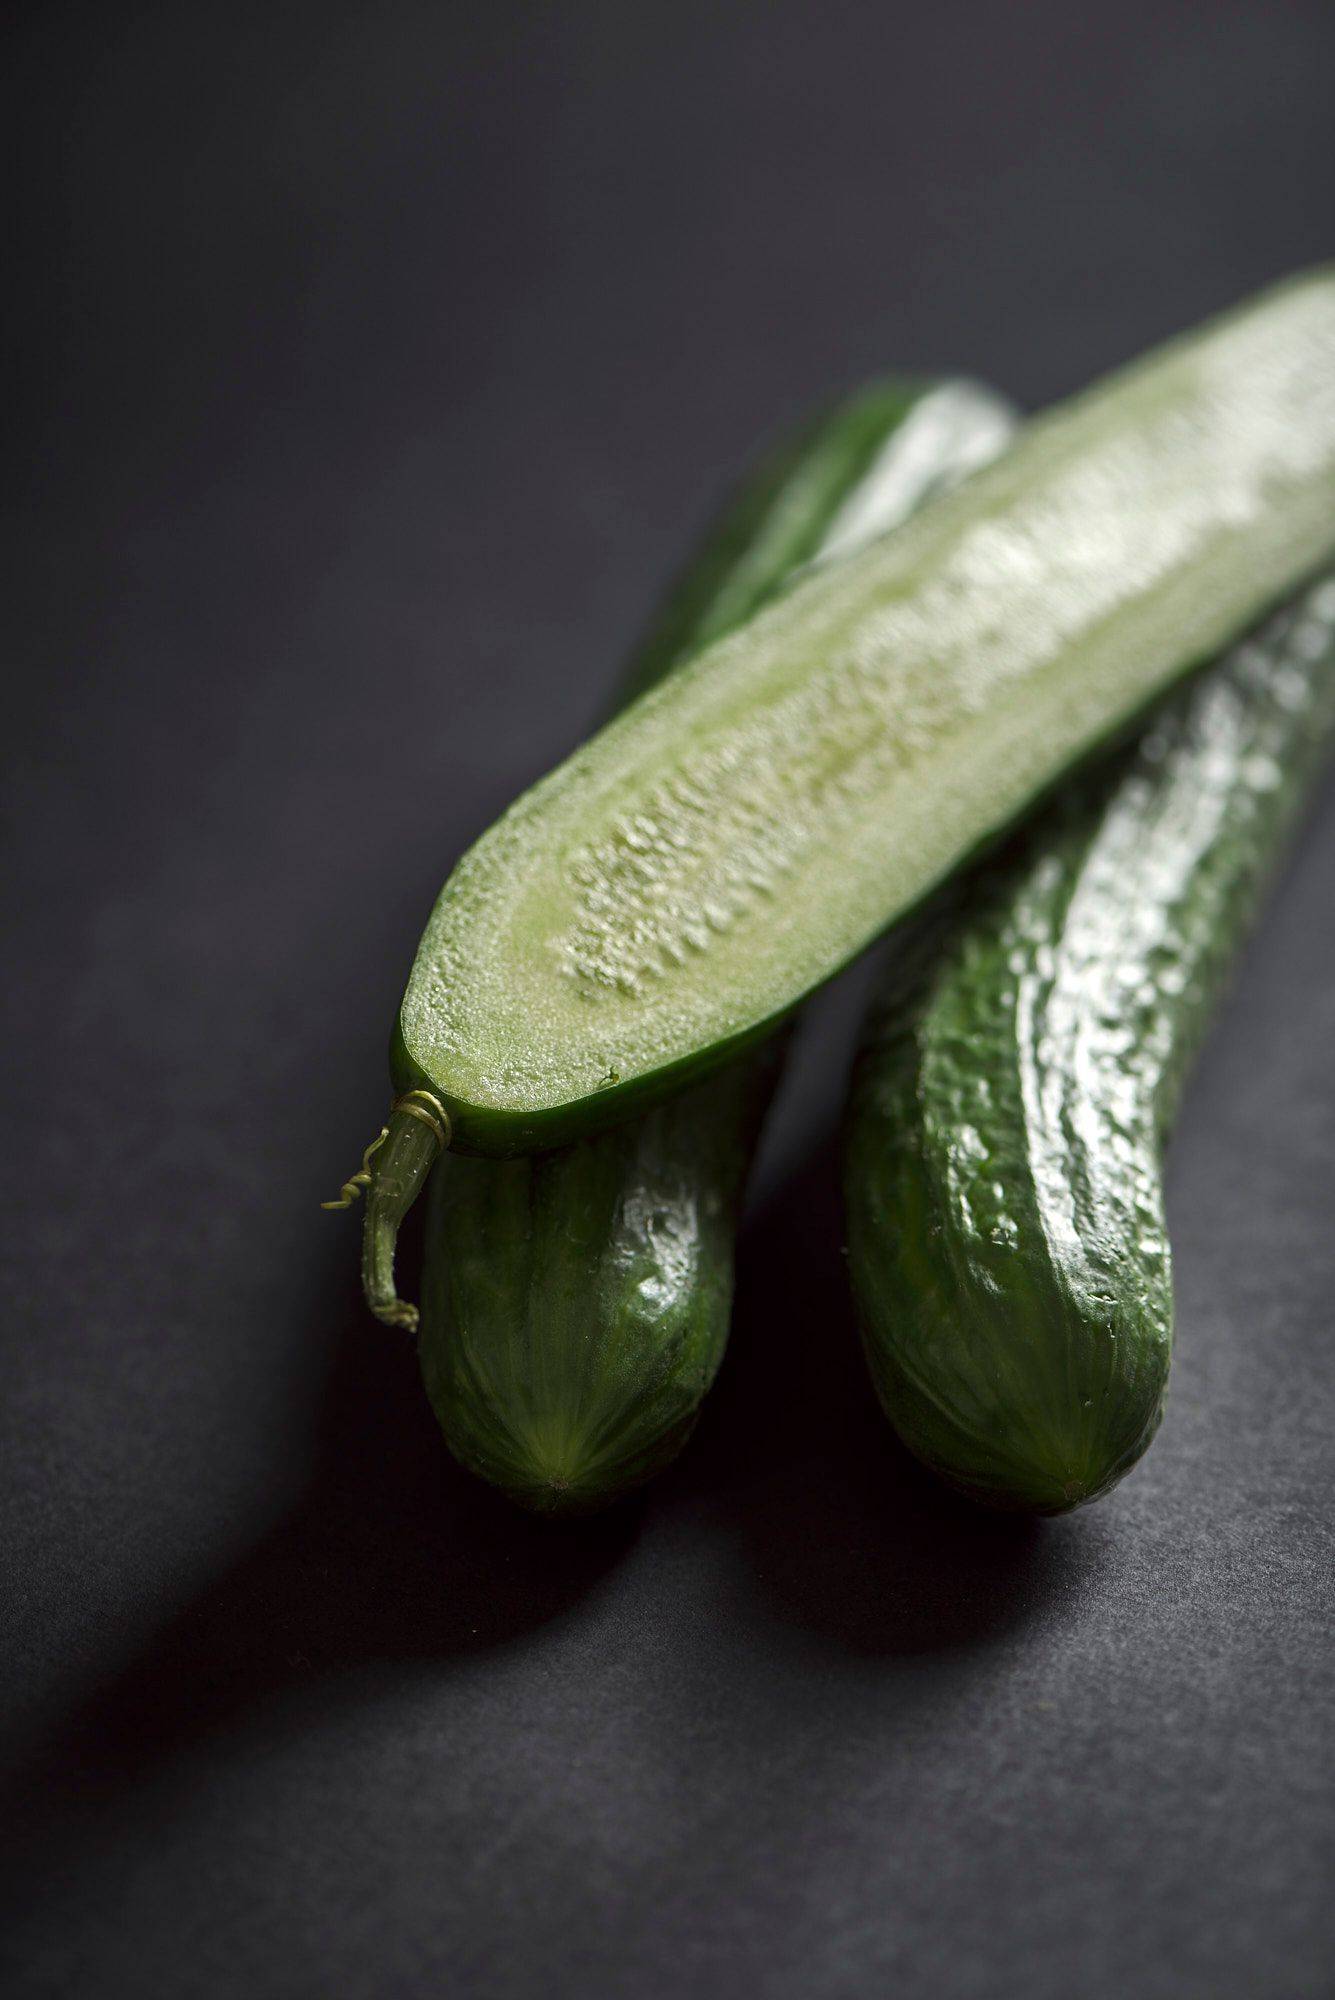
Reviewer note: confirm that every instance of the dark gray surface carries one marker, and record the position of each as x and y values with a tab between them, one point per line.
373	369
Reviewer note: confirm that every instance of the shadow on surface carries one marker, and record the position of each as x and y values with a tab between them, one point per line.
392	1553
849	1536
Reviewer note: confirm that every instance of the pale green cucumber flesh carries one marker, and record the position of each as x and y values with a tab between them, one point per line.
1003	1186
575	1306
739	833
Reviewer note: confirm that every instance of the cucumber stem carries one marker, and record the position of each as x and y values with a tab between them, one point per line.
402	1164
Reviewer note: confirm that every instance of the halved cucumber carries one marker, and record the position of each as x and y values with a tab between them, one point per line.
682	881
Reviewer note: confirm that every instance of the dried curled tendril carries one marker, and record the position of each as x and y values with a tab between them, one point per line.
353	1186
418	1104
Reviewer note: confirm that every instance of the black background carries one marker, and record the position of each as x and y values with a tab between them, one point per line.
373	366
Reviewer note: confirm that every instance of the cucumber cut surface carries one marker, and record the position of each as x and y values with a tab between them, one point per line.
744	829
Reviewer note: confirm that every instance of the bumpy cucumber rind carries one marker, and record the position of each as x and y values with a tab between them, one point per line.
1020	1074
576	1303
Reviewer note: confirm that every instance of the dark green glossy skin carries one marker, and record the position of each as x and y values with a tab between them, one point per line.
1020	1075
576	1302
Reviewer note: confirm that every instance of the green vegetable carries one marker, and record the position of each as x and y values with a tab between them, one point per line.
1020	1075
674	888
576	1304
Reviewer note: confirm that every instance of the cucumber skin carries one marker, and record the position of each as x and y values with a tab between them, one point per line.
1021	1071
576	1303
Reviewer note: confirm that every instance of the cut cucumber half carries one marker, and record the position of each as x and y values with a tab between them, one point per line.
740	832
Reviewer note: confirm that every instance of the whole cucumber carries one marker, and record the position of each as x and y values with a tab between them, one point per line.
575	1304
1020	1073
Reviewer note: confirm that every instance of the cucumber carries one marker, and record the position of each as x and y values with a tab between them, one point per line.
575	1303
679	884
1020	1074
